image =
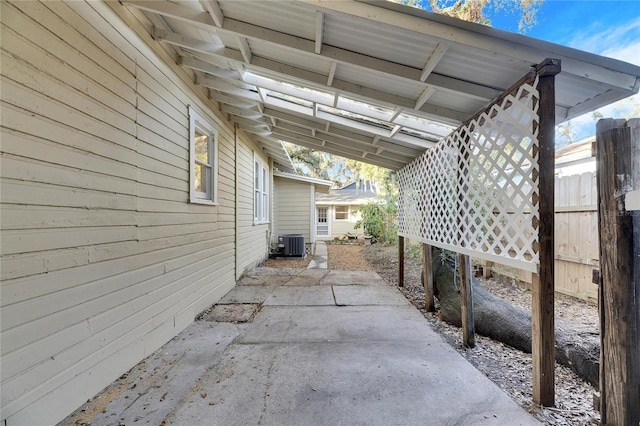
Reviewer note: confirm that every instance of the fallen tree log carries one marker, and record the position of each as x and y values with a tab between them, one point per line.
500	320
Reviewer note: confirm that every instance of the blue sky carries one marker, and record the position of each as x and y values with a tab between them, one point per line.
609	28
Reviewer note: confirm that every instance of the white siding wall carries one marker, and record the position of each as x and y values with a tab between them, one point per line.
341	227
103	259
294	206
253	240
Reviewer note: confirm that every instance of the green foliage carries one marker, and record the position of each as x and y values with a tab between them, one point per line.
415	250
379	221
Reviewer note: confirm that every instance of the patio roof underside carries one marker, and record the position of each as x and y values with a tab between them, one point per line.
368	80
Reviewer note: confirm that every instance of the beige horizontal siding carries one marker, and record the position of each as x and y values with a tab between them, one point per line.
252	239
340	227
294	207
103	259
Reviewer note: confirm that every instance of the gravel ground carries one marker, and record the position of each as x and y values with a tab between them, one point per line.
347	258
509	368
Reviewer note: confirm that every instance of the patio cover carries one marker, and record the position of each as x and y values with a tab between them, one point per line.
369	80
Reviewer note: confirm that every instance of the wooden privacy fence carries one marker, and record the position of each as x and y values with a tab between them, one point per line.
576	239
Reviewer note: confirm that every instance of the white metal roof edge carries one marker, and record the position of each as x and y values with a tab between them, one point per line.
303	178
531	42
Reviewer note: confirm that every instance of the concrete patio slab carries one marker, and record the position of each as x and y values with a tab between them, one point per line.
353	278
300	296
316	273
307	324
359	383
377	364
306	280
156	386
260	280
248	294
349	295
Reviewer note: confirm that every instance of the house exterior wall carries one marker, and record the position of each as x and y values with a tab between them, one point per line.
103	259
340	227
294	205
253	239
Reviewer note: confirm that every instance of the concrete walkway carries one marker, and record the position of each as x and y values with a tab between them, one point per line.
320	257
319	347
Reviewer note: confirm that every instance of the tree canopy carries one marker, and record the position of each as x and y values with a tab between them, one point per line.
339	170
478	11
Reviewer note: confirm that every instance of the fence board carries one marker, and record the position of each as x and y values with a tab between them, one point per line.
576	239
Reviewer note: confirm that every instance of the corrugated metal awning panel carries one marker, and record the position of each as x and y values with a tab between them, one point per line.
373	81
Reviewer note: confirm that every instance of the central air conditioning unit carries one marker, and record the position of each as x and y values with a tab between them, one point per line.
292	244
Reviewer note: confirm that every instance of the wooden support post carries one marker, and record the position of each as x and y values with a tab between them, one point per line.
400	261
486	270
542	309
466	304
618	162
427	278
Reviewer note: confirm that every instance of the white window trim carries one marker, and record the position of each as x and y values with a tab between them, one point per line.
261	211
335	212
197	121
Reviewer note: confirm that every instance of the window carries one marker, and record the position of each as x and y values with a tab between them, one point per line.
260	191
342	212
203	160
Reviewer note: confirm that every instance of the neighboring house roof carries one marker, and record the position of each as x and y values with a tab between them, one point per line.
322	186
373	81
350	194
576	158
576	151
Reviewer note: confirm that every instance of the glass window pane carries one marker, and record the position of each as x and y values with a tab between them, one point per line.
265	180
202	147
342	212
201	178
256	174
256	205
265	207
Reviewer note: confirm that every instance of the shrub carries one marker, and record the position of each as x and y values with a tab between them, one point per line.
378	221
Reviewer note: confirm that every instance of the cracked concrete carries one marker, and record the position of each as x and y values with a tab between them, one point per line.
335	351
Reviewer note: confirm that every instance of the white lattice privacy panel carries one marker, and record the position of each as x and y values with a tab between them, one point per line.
476	192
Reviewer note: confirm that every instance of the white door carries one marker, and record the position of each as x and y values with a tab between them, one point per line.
322	222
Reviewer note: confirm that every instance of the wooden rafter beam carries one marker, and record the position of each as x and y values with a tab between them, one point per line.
217	50
245	49
457	34
258	124
199	65
214	10
232	100
433	60
330	138
344	133
332	73
338	150
249	114
239	89
319	31
424	96
290	42
298	76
